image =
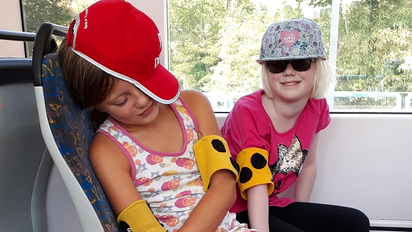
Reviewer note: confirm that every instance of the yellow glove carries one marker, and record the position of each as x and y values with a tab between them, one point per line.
138	217
212	154
254	170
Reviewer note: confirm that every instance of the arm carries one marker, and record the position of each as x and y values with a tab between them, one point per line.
258	207
221	194
113	170
243	126
306	180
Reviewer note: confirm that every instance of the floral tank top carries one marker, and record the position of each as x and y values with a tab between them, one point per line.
169	182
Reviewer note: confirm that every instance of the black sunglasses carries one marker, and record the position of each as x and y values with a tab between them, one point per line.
300	65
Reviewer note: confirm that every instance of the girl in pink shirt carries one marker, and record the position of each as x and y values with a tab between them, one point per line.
273	133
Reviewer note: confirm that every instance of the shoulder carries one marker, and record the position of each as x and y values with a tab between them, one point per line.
250	104
202	111
197	102
247	114
318	106
252	100
103	152
101	145
251	97
194	99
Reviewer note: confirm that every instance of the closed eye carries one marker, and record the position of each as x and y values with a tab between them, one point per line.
123	102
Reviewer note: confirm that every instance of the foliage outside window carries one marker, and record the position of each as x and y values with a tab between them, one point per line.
59	12
214	45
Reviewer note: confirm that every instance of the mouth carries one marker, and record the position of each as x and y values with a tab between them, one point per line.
290	83
147	111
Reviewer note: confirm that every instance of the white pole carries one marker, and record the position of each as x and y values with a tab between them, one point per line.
334	32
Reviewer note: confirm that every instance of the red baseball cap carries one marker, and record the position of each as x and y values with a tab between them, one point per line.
125	43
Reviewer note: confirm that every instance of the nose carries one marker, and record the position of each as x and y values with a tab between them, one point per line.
289	70
141	99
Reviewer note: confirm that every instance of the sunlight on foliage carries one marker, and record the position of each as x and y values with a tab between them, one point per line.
214	43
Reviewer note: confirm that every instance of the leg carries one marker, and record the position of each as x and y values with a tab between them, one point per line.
319	217
275	224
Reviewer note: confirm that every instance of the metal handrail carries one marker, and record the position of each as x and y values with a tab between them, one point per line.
17	35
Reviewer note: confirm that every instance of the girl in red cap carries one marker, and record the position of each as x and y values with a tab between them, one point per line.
157	153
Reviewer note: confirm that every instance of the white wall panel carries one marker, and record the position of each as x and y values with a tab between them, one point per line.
10	20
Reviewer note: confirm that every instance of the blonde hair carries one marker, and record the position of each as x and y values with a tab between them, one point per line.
325	79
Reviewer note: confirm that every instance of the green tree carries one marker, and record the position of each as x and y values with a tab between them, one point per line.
373	41
373	52
217	48
195	25
239	48
59	12
41	11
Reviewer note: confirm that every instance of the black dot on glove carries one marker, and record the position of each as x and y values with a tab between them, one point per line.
245	175
258	161
235	165
218	145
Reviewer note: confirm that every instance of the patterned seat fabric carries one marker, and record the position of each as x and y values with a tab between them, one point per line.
73	132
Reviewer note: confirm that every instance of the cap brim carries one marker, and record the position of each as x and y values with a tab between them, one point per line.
261	61
162	87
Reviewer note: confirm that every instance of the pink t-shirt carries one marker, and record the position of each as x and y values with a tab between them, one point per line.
248	126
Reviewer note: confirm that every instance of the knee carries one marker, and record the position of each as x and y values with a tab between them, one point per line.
359	221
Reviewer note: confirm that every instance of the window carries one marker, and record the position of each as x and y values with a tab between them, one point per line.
59	12
214	45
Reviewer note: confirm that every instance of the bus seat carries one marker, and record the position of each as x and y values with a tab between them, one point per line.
24	162
67	132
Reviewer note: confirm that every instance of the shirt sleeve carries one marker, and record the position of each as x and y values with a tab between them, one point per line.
324	117
245	127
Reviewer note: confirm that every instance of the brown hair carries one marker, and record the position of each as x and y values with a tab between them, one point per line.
88	84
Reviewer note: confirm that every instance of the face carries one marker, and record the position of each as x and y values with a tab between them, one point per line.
292	85
129	106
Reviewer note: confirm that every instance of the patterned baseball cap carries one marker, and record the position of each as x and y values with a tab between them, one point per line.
292	39
125	43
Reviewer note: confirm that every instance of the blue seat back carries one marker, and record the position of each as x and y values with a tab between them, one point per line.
72	131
